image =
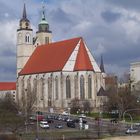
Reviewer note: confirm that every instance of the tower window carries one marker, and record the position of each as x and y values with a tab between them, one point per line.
47	40
27	38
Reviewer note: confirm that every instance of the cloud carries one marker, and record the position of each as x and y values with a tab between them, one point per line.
110	16
109	27
127	4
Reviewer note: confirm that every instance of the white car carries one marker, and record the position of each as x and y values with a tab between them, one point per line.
131	131
137	124
65	113
44	124
82	116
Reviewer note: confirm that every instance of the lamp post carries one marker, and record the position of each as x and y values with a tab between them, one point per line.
37	124
69	112
128	110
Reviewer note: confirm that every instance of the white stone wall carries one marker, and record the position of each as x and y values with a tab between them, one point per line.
61	102
135	75
24	49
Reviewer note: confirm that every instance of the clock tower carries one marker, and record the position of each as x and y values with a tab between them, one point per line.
24	41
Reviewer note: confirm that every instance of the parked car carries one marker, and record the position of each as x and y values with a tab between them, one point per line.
65	113
82	116
137	124
35	117
50	120
131	131
114	120
44	124
59	126
71	124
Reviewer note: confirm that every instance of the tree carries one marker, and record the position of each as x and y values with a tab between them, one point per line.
86	106
9	119
75	105
28	98
121	101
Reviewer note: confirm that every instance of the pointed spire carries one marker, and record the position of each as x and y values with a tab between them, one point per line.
43	18
43	11
24	12
102	65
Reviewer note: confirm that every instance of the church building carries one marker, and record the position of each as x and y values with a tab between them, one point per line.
52	74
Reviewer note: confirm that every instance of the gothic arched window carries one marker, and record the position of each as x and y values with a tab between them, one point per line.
75	85
56	88
27	38
82	87
68	87
89	87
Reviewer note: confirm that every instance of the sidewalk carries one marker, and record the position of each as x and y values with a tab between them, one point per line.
124	138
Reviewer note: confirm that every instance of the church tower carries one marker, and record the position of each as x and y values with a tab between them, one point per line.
43	35
24	41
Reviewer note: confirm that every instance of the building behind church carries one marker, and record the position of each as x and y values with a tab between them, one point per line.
52	74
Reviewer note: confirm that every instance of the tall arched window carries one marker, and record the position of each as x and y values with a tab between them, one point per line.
49	92
56	88
68	87
42	88
89	87
82	87
75	86
35	90
27	38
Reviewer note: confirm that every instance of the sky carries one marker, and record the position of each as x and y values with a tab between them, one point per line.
110	28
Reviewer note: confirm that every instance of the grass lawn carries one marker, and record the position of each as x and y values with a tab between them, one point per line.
57	135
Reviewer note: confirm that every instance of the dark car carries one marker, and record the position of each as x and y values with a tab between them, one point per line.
71	124
114	120
50	120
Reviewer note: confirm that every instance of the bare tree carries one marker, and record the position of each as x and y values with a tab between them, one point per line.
121	101
75	105
9	119
86	106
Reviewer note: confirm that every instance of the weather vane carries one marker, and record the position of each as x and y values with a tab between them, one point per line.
43	4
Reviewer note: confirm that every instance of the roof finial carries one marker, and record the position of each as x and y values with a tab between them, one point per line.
43	9
102	65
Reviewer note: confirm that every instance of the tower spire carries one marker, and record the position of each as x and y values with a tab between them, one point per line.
24	12
102	65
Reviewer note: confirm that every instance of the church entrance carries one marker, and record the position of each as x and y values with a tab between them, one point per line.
49	102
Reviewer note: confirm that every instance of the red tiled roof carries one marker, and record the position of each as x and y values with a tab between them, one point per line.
83	61
7	86
51	57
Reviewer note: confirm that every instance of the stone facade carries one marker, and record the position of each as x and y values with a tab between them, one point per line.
57	89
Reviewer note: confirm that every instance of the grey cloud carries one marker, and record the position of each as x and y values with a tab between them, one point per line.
127	4
60	17
110	16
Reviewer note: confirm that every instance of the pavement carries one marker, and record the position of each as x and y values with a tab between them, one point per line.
124	138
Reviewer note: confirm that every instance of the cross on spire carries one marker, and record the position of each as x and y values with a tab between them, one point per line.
43	10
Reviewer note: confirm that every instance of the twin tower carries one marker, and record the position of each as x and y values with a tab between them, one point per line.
26	42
